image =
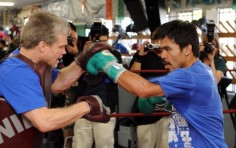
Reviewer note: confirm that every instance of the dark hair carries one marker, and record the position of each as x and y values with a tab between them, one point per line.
72	26
104	31
196	23
182	33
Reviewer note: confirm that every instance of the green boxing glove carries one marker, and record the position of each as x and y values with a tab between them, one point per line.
149	105
106	62
167	106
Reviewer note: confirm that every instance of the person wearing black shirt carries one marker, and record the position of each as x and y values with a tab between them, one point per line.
87	133
152	131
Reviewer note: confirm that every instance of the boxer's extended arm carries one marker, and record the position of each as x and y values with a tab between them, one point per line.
132	82
139	86
97	57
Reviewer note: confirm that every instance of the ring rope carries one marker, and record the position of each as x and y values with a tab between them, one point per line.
143	71
149	71
164	71
161	71
157	114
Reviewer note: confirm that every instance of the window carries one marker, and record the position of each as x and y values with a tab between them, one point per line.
225	15
186	15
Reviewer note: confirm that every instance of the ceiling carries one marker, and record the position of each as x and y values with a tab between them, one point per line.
20	3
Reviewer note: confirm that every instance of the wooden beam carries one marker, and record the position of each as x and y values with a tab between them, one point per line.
230	58
227	35
109	9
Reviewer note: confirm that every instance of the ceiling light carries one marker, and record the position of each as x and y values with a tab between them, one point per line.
6	4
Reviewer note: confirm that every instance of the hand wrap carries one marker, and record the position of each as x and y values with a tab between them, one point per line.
98	112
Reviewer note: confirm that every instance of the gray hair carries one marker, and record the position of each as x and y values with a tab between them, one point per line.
42	26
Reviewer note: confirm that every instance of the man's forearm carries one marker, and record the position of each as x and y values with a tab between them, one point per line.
66	77
138	86
45	119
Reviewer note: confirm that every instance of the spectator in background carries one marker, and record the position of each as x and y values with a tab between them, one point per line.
69	97
72	47
152	132
13	42
87	133
66	98
210	55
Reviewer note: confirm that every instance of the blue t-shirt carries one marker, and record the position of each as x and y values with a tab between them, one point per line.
198	120
20	85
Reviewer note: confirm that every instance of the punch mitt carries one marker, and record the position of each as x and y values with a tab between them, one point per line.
98	112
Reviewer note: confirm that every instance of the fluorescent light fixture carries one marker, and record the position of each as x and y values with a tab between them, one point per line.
6	4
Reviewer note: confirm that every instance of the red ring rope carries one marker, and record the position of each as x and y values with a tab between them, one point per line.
145	71
159	71
157	114
149	71
162	71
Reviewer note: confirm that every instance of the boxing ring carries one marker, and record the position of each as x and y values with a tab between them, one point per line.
231	112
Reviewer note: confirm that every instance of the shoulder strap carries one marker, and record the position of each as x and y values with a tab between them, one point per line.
45	74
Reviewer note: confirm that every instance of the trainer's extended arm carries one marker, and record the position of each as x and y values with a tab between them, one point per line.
98	111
